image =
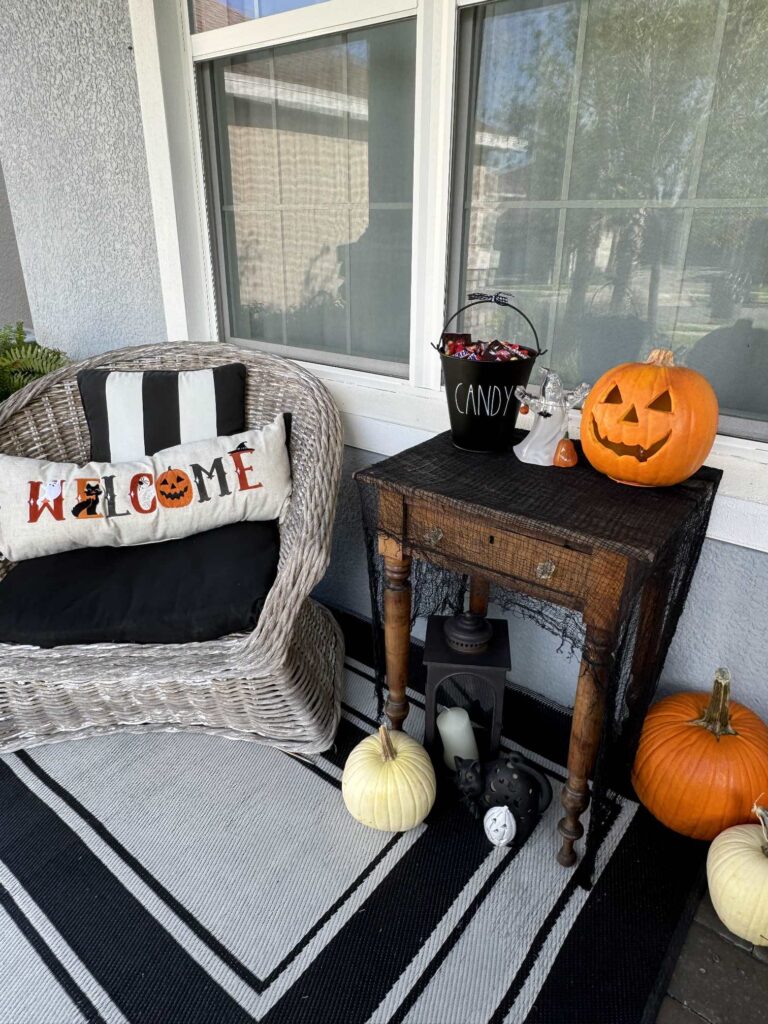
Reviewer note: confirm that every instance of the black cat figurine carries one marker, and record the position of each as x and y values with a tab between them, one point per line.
471	782
509	781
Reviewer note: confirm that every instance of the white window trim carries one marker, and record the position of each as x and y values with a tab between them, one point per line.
165	76
406	411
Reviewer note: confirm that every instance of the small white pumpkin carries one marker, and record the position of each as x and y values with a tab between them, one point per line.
737	872
500	825
389	782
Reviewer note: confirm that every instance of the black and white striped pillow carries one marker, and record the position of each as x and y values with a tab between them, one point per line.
134	413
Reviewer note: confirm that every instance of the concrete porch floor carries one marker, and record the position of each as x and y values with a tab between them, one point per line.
719	978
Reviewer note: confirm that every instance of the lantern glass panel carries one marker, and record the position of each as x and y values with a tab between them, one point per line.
470	690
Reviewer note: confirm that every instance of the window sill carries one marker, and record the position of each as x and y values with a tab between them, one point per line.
385	415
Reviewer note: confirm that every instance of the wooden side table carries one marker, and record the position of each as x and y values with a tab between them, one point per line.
522	527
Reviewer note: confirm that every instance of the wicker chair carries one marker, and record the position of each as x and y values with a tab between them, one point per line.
279	684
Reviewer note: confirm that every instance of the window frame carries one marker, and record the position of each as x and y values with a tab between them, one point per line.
381	413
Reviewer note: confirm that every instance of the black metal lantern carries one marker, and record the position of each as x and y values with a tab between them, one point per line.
470	654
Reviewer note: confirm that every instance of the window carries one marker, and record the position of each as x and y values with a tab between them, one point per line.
369	164
209	14
611	170
312	145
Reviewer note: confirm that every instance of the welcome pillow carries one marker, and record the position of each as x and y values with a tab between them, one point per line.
48	507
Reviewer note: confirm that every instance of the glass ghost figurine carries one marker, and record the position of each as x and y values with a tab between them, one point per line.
550	408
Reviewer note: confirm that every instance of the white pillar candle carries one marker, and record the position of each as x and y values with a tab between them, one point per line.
455	730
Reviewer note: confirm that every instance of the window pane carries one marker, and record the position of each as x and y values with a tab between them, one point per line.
523	82
207	14
314	147
735	162
514	249
619	287
644	91
616	181
723	315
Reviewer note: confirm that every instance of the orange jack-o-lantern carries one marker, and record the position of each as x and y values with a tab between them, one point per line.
650	424
173	488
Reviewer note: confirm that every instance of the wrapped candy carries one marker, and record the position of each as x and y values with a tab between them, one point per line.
461	346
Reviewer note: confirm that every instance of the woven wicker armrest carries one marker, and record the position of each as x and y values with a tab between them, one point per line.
305	533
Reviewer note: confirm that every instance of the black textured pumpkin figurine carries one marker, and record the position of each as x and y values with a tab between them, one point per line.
510	781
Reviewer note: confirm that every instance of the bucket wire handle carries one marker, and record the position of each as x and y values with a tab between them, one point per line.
501	299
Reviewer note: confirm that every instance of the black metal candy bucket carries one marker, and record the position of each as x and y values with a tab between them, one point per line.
481	395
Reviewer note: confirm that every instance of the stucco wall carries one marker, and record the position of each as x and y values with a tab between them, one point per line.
724	621
72	151
13	294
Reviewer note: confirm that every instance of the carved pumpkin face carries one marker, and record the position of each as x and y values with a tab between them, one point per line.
173	488
650	424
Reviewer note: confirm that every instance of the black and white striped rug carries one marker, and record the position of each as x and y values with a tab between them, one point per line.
179	879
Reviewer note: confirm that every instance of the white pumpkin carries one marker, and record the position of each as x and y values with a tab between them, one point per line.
389	782
500	825
737	872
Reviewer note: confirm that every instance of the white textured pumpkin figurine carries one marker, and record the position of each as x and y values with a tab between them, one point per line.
389	782
737	872
500	826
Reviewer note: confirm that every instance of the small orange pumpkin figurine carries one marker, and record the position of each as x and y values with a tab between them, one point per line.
565	453
173	488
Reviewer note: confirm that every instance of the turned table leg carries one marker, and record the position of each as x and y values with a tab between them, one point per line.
588	713
605	588
397	629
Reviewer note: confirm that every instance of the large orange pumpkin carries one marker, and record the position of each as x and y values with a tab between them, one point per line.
650	424
701	760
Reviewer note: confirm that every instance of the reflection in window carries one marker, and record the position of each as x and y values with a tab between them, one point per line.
616	181
315	160
208	14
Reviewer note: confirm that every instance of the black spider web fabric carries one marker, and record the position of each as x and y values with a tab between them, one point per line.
658	532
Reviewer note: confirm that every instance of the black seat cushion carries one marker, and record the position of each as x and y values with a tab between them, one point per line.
197	588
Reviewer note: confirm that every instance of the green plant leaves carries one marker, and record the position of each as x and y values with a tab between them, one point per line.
22	361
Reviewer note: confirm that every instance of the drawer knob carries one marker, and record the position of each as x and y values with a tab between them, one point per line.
545	570
433	536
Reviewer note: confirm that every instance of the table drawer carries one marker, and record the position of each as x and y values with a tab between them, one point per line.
545	565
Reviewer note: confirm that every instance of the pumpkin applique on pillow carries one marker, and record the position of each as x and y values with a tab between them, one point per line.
49	507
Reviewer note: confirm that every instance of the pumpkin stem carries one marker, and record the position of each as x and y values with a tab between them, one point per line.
661	357
388	751
762	815
717	717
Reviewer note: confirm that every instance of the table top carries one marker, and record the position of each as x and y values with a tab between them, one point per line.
577	506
